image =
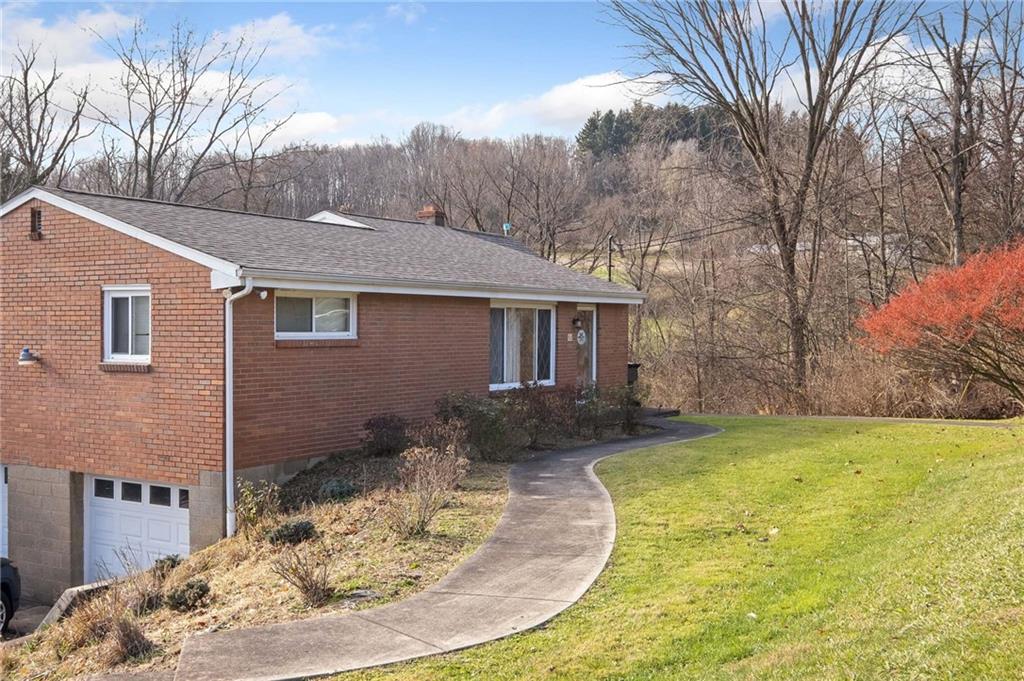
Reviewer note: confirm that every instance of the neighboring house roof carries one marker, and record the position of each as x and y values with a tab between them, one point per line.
379	254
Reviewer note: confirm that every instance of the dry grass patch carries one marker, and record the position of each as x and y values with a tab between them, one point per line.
361	553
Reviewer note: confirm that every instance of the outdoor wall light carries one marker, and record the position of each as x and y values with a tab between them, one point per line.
26	358
577	323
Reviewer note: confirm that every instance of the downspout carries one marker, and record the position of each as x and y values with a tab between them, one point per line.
229	404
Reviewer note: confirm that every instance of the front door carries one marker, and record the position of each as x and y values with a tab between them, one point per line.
586	346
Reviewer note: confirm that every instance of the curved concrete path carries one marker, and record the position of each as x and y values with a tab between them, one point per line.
551	543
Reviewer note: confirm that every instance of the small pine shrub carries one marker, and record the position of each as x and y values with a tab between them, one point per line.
163	567
292	532
336	489
386	435
256	505
189	596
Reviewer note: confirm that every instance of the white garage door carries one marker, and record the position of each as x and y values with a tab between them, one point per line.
132	522
3	514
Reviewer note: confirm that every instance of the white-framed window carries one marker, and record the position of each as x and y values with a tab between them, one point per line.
302	315
126	323
522	344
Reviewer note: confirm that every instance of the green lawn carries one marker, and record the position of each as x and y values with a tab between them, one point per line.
794	549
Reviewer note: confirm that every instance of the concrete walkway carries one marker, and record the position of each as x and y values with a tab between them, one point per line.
551	543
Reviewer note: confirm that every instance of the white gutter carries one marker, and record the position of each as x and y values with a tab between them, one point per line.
324	282
229	403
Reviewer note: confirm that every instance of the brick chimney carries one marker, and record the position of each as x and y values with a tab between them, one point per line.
431	214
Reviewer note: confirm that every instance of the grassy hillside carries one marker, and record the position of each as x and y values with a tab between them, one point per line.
794	549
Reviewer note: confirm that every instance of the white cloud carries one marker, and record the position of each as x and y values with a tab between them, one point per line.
408	12
314	126
561	109
70	39
769	9
283	37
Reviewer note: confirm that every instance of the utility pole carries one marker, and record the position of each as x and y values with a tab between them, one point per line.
610	257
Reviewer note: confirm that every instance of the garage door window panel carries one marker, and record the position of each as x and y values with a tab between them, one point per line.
131	491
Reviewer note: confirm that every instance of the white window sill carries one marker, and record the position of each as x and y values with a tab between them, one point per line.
127	359
496	387
314	336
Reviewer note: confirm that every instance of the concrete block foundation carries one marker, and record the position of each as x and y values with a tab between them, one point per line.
45	526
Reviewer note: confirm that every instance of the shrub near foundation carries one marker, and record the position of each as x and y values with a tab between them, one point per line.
189	596
307	569
293	532
386	435
256	506
428	476
528	410
487	430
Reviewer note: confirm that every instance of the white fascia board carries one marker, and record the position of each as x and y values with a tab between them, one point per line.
322	283
220	280
215	264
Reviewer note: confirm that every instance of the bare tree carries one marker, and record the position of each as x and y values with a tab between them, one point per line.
1002	91
181	99
37	133
949	133
722	53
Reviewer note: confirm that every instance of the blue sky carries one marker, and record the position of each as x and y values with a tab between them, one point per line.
360	70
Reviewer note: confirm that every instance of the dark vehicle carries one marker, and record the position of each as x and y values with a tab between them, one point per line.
10	592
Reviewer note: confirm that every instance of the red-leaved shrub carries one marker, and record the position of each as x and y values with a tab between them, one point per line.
968	319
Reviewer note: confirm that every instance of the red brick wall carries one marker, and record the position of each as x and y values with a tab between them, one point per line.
612	344
299	399
165	425
296	399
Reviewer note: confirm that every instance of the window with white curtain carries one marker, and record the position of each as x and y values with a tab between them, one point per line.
522	346
299	315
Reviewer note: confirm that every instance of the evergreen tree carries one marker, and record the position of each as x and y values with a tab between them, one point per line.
588	139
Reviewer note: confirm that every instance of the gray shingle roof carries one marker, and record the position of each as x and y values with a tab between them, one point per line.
394	251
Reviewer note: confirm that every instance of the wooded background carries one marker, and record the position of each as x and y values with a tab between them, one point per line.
793	184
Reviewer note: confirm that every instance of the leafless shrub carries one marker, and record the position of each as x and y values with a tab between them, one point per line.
125	641
88	623
307	569
427	477
256	506
140	591
8	660
442	434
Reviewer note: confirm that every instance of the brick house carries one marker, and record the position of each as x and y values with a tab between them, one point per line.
172	349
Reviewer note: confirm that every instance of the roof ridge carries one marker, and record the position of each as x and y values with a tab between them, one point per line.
263	215
181	205
379	217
